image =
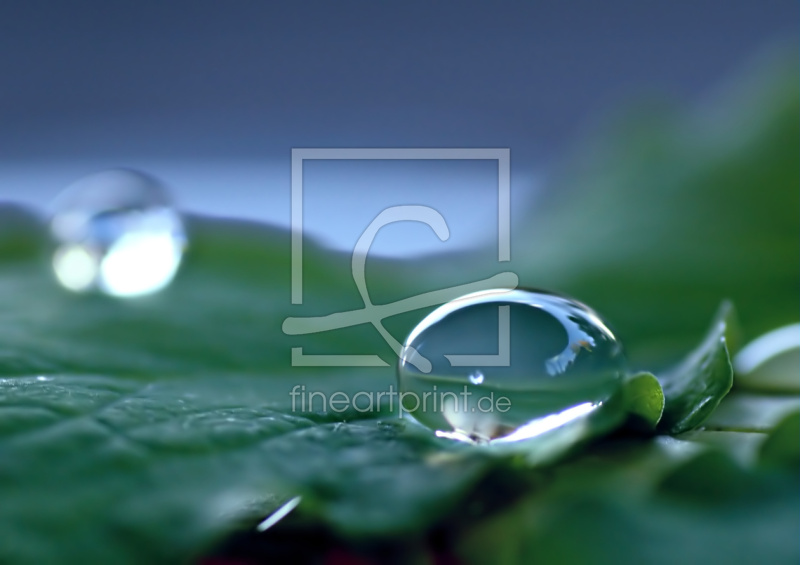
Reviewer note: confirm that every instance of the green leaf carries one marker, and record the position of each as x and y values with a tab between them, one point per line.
694	388
146	430
664	501
645	400
109	470
661	216
91	464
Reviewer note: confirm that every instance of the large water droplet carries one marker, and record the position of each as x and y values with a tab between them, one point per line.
117	232
506	365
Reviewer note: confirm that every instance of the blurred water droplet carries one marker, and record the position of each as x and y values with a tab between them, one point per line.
117	232
509	365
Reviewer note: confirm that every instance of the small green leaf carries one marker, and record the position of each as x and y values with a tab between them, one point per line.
694	388
645	401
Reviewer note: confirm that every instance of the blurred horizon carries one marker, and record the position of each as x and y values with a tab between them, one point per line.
212	101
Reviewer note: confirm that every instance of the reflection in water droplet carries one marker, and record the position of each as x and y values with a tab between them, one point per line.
509	365
117	232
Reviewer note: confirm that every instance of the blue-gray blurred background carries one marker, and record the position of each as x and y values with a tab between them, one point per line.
211	97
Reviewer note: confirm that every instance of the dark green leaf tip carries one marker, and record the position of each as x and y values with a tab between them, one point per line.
694	388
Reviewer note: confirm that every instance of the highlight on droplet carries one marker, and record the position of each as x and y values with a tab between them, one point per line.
510	366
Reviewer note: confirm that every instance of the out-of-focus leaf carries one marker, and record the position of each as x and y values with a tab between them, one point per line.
770	363
658	507
659	219
782	446
664	215
749	412
654	509
710	478
694	388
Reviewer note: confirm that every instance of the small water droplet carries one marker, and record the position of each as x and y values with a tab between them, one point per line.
508	365
117	232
